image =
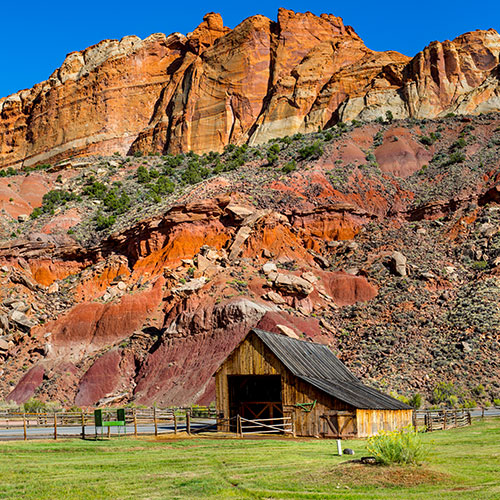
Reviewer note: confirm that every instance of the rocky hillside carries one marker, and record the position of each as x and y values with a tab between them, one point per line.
130	278
215	86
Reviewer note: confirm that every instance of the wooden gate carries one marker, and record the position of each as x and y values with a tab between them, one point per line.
339	424
282	425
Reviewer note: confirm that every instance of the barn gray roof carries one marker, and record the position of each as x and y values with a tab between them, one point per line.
318	366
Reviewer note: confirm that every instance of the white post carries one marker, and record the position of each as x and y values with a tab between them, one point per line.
339	447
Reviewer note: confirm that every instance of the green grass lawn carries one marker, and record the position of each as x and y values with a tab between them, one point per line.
462	463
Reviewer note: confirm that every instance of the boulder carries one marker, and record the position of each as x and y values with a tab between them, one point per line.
269	267
293	284
274	297
22	320
286	330
190	286
398	263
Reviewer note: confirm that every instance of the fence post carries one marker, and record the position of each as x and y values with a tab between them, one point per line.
83	424
55	425
24	427
469	418
135	423
430	421
239	430
188	421
482	413
414	419
444	420
175	423
155	421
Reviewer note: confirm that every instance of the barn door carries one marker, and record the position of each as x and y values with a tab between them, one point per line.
339	424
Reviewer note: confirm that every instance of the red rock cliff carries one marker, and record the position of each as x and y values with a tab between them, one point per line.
217	86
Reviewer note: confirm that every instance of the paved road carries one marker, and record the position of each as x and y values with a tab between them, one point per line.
76	431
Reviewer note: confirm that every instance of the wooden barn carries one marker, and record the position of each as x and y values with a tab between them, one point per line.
273	376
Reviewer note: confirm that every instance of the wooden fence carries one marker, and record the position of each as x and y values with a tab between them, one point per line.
138	421
156	421
442	419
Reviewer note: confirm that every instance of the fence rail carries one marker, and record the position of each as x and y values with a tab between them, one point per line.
156	421
446	418
16	424
282	425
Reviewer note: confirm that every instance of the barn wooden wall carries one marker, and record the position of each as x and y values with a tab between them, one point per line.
372	421
252	357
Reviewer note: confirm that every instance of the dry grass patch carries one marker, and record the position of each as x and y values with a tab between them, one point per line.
356	474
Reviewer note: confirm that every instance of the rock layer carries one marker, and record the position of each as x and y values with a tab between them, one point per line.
216	86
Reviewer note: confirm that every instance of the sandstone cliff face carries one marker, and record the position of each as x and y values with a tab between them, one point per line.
216	86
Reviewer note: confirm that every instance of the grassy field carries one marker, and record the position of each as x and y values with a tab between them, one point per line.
462	463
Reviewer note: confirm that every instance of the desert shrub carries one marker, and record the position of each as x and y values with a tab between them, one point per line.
272	158
52	200
459	144
456	157
289	167
96	190
415	401
429	140
173	161
34	405
115	202
397	447
479	265
104	221
163	185
313	151
142	175
444	393
389	116
7	173
378	138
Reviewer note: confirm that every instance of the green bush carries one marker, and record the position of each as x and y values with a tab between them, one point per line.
115	202
95	190
469	403
313	151
34	405
289	167
445	393
459	144
456	157
496	401
104	221
416	401
52	200
479	265
429	140
397	447
142	175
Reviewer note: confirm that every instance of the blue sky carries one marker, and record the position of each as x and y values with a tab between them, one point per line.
36	36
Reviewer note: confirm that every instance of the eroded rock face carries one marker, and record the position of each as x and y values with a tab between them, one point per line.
216	86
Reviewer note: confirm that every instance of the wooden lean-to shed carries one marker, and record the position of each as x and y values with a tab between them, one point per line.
269	375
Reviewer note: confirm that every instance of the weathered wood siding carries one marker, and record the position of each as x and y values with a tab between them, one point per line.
372	421
252	357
